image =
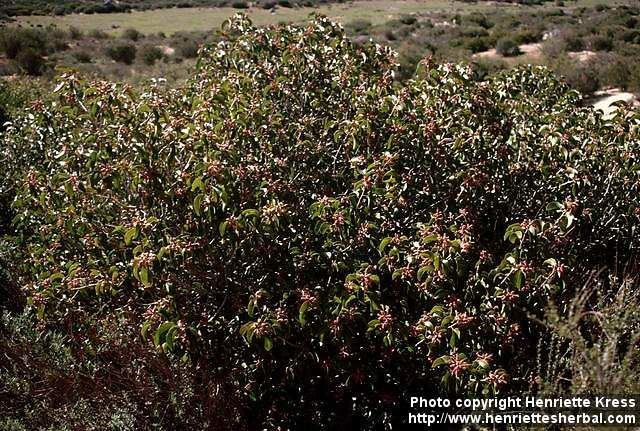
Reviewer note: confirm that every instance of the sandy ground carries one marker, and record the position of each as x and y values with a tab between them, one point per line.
582	55
602	100
531	50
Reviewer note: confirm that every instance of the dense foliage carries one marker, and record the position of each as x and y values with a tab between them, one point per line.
303	240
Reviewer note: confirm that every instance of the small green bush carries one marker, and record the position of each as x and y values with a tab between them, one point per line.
82	56
294	228
150	54
479	44
573	43
408	19
599	43
358	26
30	62
474	32
122	52
98	34
13	41
132	34
507	48
75	33
478	19
187	48
582	77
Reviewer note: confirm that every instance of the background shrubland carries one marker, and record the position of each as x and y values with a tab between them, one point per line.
294	229
591	47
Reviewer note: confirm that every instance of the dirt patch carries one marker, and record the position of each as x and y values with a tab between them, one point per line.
582	56
603	100
531	50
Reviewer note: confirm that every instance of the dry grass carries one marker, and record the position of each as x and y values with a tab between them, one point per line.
170	21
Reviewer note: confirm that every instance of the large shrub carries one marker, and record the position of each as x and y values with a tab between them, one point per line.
298	232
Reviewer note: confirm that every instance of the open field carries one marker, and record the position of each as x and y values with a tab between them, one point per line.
170	21
198	19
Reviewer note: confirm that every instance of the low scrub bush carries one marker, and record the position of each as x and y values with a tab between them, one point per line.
358	26
479	44
30	62
132	34
573	42
474	32
14	41
507	48
98	34
75	33
478	19
582	77
122	52
603	359
408	19
599	43
187	48
150	54
82	56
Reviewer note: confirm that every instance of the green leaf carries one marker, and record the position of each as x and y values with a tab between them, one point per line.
197	184
162	252
442	360
453	341
170	338
158	336
250	306
145	328
197	203
130	235
222	228
143	273
302	312
268	344
373	324
518	278
554	206
570	218
482	363
423	270
383	244
250	212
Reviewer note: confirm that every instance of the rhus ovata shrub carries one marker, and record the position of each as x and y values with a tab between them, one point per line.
311	239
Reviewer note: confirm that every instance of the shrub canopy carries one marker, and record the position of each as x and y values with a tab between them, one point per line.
298	229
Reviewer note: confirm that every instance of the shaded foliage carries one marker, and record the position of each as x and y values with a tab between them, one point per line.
295	230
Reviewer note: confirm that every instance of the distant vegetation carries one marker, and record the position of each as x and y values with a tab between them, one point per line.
610	35
38	51
591	47
294	229
10	8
